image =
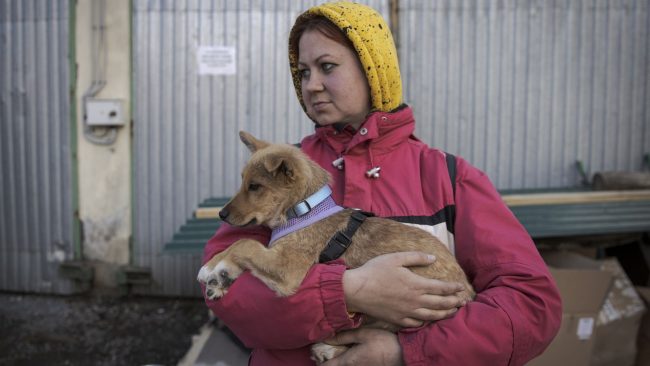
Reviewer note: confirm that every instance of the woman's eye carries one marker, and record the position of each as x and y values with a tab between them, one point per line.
328	67
253	187
304	73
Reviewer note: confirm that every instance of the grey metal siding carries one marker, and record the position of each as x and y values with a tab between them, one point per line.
35	157
523	89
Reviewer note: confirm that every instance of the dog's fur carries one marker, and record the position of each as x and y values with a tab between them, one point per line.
275	179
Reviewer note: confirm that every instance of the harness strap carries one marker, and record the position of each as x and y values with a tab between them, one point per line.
340	241
451	167
450	211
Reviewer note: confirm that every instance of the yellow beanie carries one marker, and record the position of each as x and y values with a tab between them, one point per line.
373	42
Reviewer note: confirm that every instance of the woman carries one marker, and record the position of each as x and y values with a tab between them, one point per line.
346	74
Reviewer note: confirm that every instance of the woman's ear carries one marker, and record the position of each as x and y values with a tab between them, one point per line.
251	142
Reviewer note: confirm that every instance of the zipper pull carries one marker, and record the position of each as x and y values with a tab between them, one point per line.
373	173
338	163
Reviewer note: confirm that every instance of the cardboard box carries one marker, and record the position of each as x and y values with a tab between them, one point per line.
618	322
643	338
583	286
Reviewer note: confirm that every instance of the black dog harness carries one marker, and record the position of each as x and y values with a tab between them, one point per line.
340	242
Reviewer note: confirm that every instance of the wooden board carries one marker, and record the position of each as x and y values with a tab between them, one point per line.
576	197
207	212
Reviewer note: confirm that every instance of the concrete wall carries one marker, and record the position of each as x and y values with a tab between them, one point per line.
105	171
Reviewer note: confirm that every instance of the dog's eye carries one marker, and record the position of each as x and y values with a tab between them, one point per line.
253	187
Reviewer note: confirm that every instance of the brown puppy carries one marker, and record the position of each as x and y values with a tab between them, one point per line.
275	179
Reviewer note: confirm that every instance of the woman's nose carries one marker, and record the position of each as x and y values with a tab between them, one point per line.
314	83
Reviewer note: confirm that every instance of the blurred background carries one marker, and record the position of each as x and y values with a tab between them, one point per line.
119	121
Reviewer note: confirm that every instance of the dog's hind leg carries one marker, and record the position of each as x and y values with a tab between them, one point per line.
321	352
280	272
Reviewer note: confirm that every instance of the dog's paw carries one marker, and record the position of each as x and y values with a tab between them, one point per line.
321	352
218	279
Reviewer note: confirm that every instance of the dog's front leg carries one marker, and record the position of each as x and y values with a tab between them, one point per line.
220	272
280	271
281	268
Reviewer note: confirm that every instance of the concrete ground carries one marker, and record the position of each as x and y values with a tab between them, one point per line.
215	346
108	330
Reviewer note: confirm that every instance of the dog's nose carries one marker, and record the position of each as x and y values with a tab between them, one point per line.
223	213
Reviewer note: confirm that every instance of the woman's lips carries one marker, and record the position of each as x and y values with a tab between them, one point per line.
319	106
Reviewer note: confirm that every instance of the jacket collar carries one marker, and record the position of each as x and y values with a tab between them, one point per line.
385	130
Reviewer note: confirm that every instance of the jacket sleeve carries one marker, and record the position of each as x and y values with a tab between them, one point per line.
517	310
317	310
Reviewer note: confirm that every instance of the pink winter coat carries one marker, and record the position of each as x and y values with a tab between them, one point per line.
517	310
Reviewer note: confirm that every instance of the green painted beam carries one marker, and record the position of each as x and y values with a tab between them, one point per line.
541	221
545	221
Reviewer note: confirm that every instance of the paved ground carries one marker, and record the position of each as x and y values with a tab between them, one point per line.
96	330
216	347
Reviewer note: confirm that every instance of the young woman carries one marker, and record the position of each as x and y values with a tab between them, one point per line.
346	73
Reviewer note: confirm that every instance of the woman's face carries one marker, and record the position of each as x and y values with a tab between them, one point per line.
334	87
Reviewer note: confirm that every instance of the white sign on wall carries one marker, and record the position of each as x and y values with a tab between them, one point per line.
216	60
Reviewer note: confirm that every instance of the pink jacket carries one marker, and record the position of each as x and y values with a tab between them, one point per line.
516	313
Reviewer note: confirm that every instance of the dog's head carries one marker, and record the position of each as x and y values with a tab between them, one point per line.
275	179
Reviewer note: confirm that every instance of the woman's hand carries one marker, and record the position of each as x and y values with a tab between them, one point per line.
369	347
385	289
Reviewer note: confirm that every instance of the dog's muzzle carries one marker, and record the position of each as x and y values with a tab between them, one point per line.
223	214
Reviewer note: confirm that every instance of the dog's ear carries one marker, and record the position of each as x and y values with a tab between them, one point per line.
275	164
251	142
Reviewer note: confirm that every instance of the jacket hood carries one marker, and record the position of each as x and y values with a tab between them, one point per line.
373	43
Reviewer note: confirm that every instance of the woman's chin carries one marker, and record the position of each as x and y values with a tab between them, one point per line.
325	120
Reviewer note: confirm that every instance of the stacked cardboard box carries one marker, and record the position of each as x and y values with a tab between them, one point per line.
601	317
583	286
618	321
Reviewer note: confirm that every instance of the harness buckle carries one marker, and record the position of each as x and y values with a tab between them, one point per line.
341	239
301	208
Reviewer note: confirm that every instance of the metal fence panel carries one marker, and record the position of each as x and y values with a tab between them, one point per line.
523	89
35	158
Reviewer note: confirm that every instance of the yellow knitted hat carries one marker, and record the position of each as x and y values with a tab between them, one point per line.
373	42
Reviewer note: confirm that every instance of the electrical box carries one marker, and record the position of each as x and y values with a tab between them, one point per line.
104	112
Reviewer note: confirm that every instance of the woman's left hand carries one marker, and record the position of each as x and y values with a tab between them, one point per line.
369	347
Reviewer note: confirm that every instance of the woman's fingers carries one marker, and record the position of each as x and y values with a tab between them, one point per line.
420	316
441	302
442	288
346	337
433	315
410	323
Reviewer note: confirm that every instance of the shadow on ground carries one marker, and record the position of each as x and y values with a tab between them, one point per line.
97	330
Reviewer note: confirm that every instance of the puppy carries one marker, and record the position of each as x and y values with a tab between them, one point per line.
275	182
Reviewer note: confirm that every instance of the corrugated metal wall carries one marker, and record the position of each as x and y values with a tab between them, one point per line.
520	88
523	89
35	157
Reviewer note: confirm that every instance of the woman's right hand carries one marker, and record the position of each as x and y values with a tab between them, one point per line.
386	289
